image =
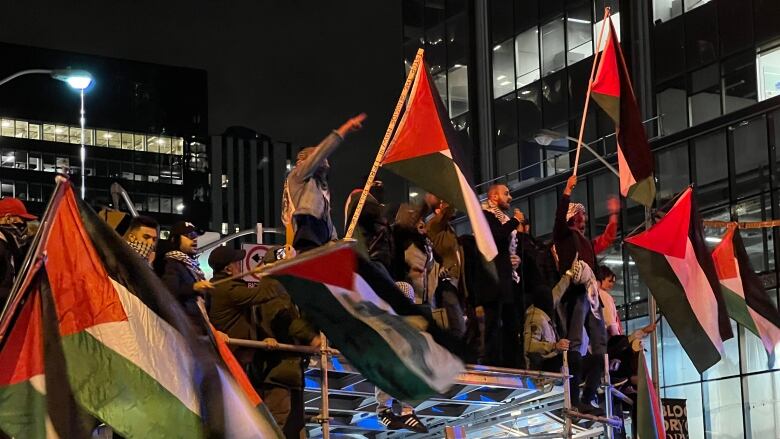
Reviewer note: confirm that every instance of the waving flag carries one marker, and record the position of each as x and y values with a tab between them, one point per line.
676	266
746	299
613	92
370	321
425	150
130	355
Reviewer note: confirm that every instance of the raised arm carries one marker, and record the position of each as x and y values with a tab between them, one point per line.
327	146
605	240
560	228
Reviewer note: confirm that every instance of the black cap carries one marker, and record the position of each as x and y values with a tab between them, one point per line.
223	256
185	228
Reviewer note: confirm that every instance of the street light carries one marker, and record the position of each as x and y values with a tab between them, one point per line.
76	79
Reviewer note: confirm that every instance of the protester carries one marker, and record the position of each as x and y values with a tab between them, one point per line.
502	332
142	235
445	244
13	242
183	276
606	279
374	230
584	322
307	194
234	310
414	260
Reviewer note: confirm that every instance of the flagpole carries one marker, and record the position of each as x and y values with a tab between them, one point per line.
385	141
652	313
607	12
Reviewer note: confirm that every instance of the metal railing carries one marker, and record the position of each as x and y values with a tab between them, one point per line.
609	421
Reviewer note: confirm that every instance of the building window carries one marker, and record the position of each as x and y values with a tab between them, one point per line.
61	134
503	68
768	73
127	141
597	29
553	50
672	107
704	99
665	10
22	128
527	57
579	34
7	127
672	171
458	90
739	82
48	132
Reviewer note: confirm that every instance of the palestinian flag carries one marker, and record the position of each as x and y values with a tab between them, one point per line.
425	150
129	354
650	419
377	329
676	266
613	92
746	300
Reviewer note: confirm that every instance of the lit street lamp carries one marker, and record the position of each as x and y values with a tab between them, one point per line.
76	79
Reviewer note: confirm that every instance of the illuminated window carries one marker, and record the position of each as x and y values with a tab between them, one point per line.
127	141
34	131
139	142
178	146
75	135
114	140
101	137
152	144
21	129
61	134
48	132
165	144
7	127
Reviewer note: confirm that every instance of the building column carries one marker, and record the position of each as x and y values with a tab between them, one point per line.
484	113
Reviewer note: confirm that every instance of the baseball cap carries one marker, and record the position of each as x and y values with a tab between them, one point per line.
185	228
223	256
15	207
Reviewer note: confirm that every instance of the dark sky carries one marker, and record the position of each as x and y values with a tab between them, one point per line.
291	69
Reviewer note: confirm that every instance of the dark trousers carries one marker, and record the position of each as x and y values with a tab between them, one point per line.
447	297
502	335
286	406
310	232
590	369
579	316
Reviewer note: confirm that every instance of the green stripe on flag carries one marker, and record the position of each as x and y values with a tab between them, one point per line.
23	411
365	349
738	309
110	387
434	173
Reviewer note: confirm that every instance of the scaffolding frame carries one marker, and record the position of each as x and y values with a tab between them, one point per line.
485	400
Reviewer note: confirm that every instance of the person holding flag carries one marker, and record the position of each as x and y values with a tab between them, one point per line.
306	198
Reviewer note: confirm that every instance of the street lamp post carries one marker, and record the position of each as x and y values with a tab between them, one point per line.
76	79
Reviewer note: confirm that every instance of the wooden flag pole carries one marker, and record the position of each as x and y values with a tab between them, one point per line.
418	59
607	13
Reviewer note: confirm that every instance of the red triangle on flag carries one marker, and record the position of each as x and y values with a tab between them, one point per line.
607	80
419	132
335	268
22	355
723	255
669	236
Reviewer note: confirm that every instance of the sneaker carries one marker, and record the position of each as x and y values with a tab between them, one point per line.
589	409
412	422
390	420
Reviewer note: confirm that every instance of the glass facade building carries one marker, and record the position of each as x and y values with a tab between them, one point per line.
706	74
145	129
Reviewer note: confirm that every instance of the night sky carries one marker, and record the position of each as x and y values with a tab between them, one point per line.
291	69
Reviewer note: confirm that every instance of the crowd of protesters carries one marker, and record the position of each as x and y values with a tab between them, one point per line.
540	299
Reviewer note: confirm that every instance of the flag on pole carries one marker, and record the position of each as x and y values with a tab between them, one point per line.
130	355
676	266
425	150
378	330
612	90
746	299
650	419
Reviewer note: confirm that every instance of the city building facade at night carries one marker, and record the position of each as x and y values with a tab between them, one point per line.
514	75
146	128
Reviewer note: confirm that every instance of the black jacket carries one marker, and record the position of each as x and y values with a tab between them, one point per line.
179	280
374	228
501	235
